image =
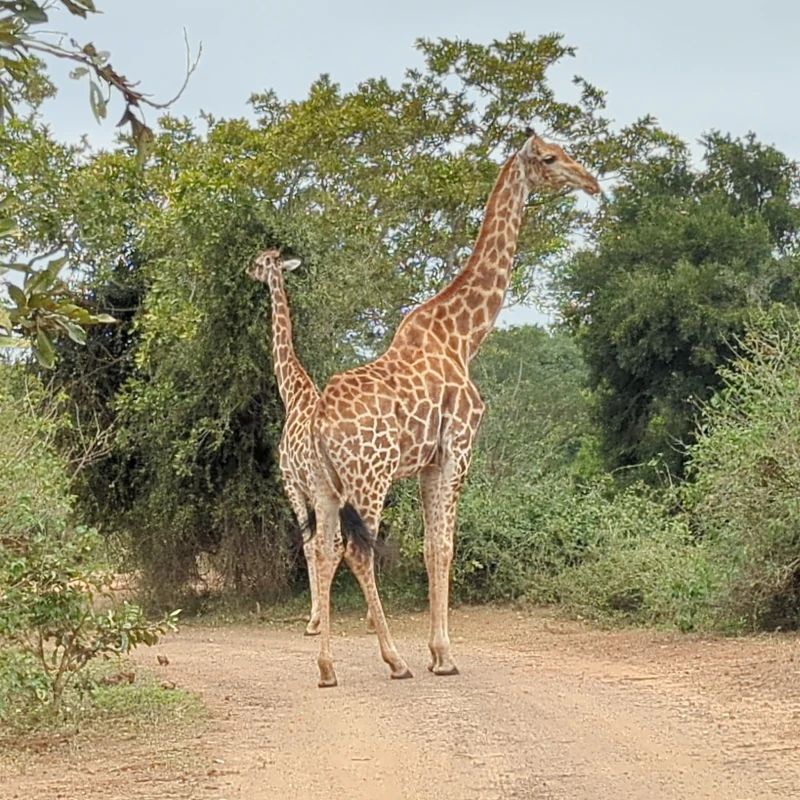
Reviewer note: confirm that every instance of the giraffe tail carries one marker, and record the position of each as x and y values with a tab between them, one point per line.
353	527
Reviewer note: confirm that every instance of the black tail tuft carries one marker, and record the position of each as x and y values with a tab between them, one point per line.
354	529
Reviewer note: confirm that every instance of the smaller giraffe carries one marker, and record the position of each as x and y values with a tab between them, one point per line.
299	396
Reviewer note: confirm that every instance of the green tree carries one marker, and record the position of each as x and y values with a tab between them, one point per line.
537	418
681	259
744	498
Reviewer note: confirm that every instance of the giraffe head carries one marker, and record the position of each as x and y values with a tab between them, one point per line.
547	164
268	261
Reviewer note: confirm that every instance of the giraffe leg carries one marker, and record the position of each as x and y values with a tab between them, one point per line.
370	623
363	567
327	556
439	488
312	628
301	513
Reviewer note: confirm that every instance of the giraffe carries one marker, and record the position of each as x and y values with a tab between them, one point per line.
299	395
415	411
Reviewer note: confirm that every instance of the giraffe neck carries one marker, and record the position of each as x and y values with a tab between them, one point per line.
462	314
292	379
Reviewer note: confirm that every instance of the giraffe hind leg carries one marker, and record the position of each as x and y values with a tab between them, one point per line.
349	519
327	553
360	557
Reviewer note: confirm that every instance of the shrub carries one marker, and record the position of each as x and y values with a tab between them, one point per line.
51	570
746	468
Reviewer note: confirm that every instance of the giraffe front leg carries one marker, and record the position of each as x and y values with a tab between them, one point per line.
312	628
326	561
440	488
298	503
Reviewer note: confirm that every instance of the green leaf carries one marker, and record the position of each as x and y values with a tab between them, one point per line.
32	13
40	300
5	319
45	354
18	296
54	266
97	102
68	309
74	8
39	281
104	318
9	40
79	72
13	341
76	333
8	227
19	70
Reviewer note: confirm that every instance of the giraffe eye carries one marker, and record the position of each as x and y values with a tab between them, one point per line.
548	159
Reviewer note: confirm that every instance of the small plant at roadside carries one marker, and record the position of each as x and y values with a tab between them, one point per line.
48	591
52	576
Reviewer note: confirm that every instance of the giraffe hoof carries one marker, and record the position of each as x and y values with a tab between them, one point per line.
311	632
401	676
327	683
443	671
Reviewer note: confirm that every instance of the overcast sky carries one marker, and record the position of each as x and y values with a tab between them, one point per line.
722	64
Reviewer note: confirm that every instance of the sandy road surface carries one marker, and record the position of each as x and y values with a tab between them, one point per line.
542	709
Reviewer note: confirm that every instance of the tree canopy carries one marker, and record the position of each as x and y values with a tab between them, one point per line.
682	257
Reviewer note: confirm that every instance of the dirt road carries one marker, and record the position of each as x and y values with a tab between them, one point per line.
542	709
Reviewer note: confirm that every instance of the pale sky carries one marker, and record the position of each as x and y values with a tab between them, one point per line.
724	64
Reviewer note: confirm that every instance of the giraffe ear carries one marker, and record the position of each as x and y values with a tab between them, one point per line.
292	263
529	132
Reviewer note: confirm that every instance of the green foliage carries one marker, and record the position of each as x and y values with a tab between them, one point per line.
50	570
195	456
718	552
746	469
643	564
532	382
46	307
682	258
174	417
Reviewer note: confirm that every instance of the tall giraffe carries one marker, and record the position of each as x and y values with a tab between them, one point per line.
299	396
415	411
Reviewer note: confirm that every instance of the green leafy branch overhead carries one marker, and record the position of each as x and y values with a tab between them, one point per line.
44	308
22	43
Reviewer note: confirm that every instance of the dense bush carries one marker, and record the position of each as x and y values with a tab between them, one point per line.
51	570
746	491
